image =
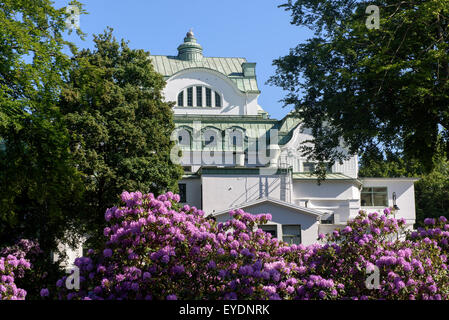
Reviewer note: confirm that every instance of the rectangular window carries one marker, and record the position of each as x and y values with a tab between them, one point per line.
311	166
181	99
269	229
199	96
291	234
217	100
208	98
182	192
190	97
374	197
308	167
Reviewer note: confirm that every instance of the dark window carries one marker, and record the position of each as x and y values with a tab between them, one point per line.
208	98
217	100
199	96
182	192
181	99
308	167
291	234
270	229
190	97
374	197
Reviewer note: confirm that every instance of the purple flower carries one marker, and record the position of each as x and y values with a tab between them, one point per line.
107	253
44	292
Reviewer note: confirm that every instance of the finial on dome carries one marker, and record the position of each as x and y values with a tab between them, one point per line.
190	50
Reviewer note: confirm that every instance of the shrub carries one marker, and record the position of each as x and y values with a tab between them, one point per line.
10	268
155	249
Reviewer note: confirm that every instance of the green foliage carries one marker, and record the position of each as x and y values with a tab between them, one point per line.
385	87
38	180
119	126
432	193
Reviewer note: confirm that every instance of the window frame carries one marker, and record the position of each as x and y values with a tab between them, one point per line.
181	99
371	193
292	236
190	96
182	192
217	95
199	96
208	97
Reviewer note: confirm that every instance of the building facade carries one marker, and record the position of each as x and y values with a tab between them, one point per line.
235	156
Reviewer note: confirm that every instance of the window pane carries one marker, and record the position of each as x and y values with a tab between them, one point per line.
181	99
374	197
365	199
190	97
217	100
199	96
380	199
182	192
291	234
208	98
309	166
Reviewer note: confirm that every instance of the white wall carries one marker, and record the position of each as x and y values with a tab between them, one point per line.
405	195
327	189
287	216
193	191
223	192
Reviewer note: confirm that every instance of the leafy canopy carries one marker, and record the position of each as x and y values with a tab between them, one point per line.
37	178
119	125
384	87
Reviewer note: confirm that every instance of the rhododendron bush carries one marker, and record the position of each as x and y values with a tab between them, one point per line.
155	249
13	265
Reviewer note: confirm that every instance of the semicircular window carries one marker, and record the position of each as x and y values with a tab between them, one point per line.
199	96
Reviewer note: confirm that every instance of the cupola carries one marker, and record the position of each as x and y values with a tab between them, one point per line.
190	50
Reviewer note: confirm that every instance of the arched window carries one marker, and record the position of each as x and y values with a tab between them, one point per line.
211	138
199	96
181	99
235	139
217	100
184	138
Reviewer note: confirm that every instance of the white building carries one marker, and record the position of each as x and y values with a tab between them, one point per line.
223	134
220	128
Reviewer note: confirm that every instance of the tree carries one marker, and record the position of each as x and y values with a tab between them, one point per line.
119	126
386	87
38	180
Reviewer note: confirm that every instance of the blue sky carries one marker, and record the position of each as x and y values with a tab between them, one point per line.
254	29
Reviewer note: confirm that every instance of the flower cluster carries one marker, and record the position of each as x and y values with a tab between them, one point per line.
436	229
155	249
10	266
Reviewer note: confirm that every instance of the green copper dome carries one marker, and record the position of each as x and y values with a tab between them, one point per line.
190	50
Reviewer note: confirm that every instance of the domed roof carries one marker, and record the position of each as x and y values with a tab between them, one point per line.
190	50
